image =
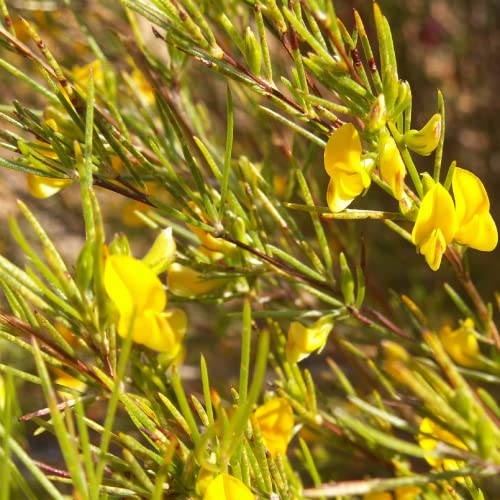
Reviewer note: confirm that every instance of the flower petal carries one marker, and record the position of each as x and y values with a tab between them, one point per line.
226	487
302	341
162	252
336	203
45	187
187	282
343	150
461	344
392	167
275	419
470	195
480	233
133	286
433	249
161	332
477	228
430	434
436	211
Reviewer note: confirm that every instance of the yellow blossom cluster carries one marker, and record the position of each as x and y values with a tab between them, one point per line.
140	297
302	340
467	221
440	219
430	435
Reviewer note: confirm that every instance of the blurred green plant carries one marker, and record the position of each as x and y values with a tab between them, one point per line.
235	202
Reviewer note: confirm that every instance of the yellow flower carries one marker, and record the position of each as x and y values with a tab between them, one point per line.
214	248
435	226
392	167
143	87
75	385
81	75
139	296
302	341
430	434
226	487
425	140
403	493
187	282
348	178
40	186
396	357
275	420
461	344
378	495
407	492
476	227
45	187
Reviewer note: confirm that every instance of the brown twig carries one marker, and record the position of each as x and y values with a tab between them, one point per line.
48	346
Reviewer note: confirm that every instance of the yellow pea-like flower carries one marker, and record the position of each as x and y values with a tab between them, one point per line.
476	227
187	282
342	157
227	487
425	140
69	382
143	87
81	75
140	299
45	187
392	167
275	420
212	247
133	286
435	226
430	434
40	186
302	340
461	344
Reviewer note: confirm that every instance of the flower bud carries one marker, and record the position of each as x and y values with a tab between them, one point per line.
187	282
302	340
162	252
346	280
392	167
427	182
275	420
377	116
390	84
85	265
461	344
486	436
120	245
226	487
425	140
403	99
253	51
44	187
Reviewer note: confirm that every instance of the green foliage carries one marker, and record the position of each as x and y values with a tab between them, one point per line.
213	119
